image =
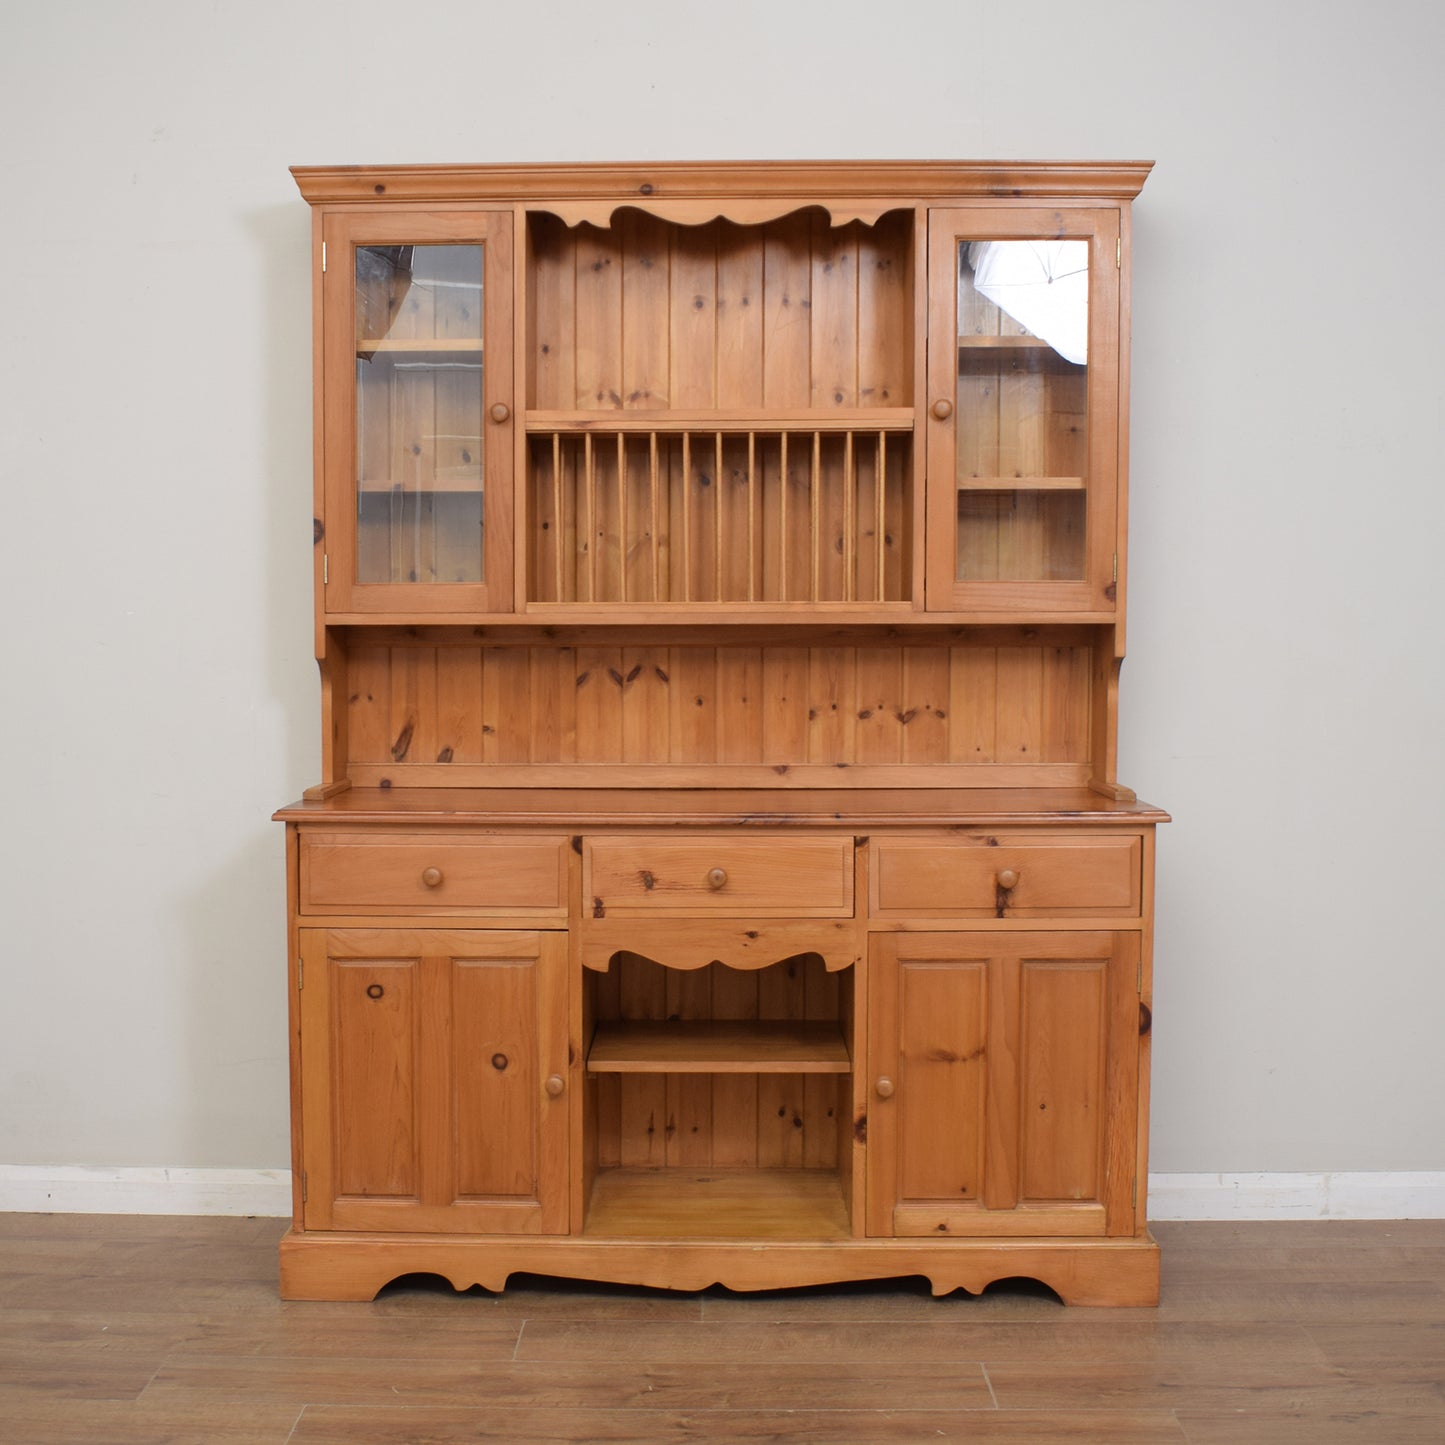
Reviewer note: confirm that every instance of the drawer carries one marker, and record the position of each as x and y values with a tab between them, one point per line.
343	873
720	876
1081	877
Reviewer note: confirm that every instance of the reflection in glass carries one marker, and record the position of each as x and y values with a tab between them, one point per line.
1021	409
419	413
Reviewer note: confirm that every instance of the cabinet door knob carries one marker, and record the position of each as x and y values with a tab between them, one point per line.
1008	879
942	409
432	877
716	877
554	1086
500	411
884	1088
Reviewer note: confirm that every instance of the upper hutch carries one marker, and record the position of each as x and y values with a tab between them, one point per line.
720	601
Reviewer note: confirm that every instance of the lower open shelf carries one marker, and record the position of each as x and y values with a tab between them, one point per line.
764	1204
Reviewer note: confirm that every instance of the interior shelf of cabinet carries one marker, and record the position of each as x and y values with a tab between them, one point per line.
717	1204
781	1046
767	421
457	486
972	342
1021	484
425	345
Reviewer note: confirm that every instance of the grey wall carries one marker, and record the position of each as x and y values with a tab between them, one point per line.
1286	681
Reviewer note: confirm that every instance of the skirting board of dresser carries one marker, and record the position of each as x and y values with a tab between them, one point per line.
1343	1194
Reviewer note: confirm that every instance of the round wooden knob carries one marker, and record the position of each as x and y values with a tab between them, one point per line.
884	1088
942	409
716	877
374	990
500	411
432	877
554	1086
1008	879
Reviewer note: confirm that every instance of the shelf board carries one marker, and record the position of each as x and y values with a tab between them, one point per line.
434	345
782	1046
436	486
737	419
1021	484
717	1204
1003	343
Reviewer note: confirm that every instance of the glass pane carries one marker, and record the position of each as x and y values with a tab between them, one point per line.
419	413
1021	409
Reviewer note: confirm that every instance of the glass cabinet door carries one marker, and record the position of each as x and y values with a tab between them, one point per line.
419	394
1023	410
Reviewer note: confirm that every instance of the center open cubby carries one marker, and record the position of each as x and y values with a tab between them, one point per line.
719	1101
720	412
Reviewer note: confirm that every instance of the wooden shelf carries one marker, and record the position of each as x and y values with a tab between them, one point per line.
433	345
1021	484
781	1046
762	1204
436	486
1003	343
738	419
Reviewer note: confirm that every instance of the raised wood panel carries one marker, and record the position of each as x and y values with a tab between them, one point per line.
1001	1075
646	315
450	708
423	1056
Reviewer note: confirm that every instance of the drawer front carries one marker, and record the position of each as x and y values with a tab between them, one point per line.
1007	877
345	874
731	877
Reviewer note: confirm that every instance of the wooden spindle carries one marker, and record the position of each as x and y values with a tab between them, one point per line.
589	472
656	530
783	517
686	517
559	529
717	513
882	493
815	503
752	515
622	511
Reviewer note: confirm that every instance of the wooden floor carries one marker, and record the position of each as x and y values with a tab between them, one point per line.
130	1329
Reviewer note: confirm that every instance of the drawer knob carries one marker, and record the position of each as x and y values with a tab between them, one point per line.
554	1086
884	1088
374	990
432	877
500	411
716	877
942	409
1008	879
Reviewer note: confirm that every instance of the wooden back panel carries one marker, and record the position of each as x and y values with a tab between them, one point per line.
1011	708
648	314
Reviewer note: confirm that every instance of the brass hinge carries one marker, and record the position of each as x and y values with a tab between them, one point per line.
1118	254
1139	978
323	258
1116	566
300	974
305	1184
326	569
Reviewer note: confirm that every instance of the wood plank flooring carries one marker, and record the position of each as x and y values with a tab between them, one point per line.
122	1330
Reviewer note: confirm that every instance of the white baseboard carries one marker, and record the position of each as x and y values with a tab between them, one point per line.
75	1189
71	1189
1359	1195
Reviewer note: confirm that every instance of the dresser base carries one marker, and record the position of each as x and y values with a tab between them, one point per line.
336	1266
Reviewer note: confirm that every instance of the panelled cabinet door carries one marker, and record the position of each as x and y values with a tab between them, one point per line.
1023	409
1003	1083
434	1074
418	426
